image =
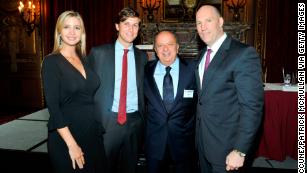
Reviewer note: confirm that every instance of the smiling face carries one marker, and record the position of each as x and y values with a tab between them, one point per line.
128	30
209	24
166	47
71	31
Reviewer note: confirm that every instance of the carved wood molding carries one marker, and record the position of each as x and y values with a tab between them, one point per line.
187	35
260	33
237	30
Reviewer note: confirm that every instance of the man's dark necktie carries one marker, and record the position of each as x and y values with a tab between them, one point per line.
168	89
121	118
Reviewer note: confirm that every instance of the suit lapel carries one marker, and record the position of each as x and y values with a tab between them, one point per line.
197	69
215	64
138	67
152	81
108	62
181	81
112	65
110	71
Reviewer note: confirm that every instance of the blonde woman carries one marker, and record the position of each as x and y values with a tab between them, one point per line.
69	86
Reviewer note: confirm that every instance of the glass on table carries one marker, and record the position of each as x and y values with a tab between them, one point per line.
287	79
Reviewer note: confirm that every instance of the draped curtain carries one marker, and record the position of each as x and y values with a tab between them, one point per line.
281	38
98	16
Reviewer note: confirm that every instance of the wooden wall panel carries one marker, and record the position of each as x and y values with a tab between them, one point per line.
20	61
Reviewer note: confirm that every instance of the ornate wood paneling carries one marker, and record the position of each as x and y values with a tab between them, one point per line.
187	35
20	60
260	33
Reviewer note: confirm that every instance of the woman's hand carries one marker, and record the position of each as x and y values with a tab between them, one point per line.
76	156
75	152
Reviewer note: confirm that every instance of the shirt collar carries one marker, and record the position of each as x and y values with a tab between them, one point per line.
215	47
173	65
119	46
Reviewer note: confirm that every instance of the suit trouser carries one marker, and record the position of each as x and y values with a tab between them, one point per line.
169	164
122	143
208	167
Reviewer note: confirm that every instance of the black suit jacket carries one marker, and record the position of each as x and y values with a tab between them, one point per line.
176	127
102	60
229	109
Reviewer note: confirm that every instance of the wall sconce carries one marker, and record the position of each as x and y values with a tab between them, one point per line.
236	6
190	5
30	16
150	6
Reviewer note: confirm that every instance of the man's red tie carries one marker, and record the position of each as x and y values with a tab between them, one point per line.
207	62
122	117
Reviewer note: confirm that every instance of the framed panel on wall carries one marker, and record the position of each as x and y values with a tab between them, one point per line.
172	10
217	3
184	10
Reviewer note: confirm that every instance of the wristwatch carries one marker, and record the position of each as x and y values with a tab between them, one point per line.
240	153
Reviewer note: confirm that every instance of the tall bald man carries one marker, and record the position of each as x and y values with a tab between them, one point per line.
230	103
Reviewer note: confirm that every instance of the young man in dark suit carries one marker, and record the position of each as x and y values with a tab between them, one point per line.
230	103
120	98
170	93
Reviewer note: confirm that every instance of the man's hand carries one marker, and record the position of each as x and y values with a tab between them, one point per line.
234	161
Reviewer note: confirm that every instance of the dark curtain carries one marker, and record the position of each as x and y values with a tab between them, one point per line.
281	38
98	18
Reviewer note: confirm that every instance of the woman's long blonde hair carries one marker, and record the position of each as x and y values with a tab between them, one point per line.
81	46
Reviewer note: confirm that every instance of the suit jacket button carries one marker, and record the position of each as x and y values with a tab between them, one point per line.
200	103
